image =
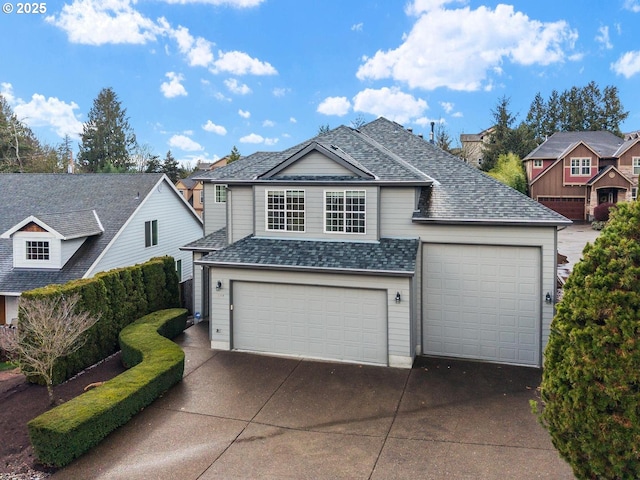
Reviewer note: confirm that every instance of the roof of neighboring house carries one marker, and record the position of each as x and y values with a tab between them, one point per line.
604	172
604	144
453	192
67	202
214	241
189	182
386	257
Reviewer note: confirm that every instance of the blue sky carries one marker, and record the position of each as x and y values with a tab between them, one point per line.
200	76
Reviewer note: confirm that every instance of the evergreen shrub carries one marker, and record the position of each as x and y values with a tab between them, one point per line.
69	430
591	380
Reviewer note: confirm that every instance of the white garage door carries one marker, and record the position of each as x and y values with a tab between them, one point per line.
311	321
482	302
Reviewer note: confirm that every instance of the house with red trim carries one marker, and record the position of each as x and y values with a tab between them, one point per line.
574	172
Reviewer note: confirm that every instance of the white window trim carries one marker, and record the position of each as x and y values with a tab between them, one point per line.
46	244
537	163
580	163
148	233
287	225
216	187
635	165
634	193
343	231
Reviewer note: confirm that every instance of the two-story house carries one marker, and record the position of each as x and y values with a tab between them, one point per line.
372	245
60	227
574	172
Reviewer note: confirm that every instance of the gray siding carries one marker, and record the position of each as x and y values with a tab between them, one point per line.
397	205
214	214
240	212
314	214
177	226
316	164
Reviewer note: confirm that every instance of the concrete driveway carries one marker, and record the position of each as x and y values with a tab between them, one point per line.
243	416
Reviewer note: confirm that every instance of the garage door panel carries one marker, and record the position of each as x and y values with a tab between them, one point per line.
482	302
313	321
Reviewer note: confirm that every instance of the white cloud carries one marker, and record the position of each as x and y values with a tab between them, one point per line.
244	114
339	106
236	87
390	103
459	48
198	51
357	27
628	64
257	139
268	123
632	5
222	3
293	120
185	143
603	37
447	106
173	88
280	92
239	63
212	127
97	22
41	111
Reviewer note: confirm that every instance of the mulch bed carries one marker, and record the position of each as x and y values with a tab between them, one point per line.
21	401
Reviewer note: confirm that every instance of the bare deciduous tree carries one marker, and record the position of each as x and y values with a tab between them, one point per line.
48	328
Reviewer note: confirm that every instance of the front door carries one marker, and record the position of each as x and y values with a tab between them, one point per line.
607	196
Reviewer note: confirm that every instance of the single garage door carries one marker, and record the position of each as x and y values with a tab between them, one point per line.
482	302
311	321
572	208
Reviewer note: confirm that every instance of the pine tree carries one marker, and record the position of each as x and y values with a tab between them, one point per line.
234	155
108	141
170	167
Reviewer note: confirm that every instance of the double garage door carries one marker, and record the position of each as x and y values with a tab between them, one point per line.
572	208
482	302
311	321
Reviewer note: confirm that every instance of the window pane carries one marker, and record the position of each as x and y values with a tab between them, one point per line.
37	250
154	233
147	234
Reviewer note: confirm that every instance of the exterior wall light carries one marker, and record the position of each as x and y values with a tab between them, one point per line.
548	298
219	285
398	297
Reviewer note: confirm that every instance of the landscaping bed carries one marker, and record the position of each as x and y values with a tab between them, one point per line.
21	401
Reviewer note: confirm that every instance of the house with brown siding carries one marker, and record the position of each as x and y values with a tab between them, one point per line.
574	172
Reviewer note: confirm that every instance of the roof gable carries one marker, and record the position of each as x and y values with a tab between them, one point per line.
330	160
63	226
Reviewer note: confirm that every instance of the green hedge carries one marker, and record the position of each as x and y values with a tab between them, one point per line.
119	296
66	432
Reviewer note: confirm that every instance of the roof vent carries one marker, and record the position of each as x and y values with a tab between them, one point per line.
409	129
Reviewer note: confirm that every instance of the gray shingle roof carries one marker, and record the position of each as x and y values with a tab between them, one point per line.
214	241
605	144
114	197
388	256
458	192
81	223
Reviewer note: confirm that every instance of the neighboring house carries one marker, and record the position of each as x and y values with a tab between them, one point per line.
191	189
60	227
192	192
372	246
574	172
473	145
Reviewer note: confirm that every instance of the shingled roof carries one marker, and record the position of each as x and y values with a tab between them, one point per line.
605	144
58	198
387	257
453	191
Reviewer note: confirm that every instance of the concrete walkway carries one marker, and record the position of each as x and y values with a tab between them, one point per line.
573	239
243	416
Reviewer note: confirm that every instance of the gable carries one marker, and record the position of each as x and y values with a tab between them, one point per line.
317	165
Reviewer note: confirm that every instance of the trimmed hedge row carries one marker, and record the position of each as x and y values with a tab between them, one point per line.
69	430
119	296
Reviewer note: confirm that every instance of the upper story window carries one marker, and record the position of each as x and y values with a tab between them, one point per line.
285	210
581	166
150	233
537	163
37	250
345	211
221	194
636	165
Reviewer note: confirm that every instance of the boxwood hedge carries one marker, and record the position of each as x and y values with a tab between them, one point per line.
69	430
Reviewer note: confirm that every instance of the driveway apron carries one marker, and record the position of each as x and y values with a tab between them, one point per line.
242	416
